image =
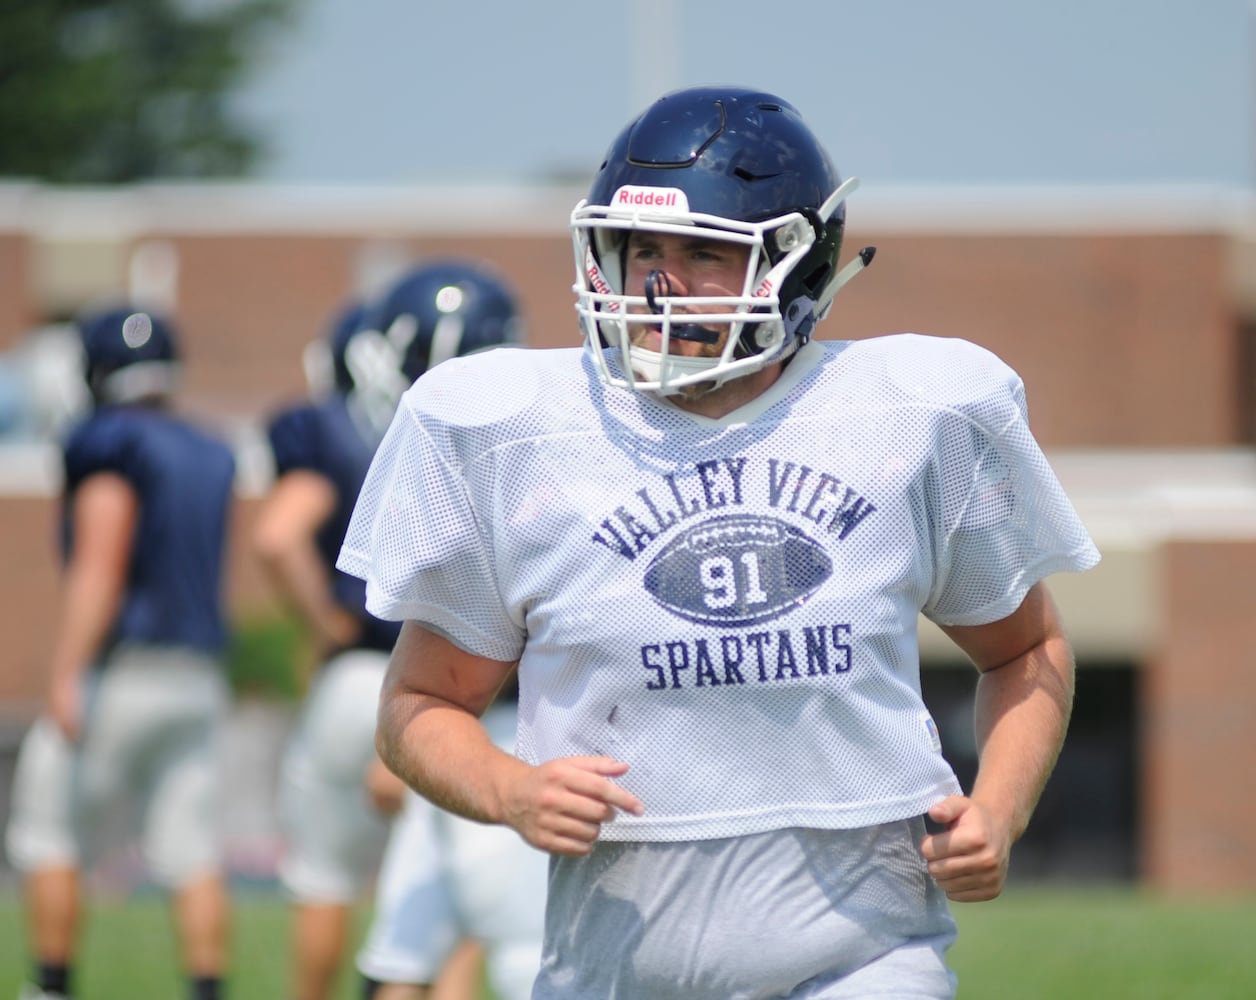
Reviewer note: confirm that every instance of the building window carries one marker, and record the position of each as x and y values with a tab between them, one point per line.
1086	824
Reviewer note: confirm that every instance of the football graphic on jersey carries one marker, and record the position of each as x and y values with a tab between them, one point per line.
737	569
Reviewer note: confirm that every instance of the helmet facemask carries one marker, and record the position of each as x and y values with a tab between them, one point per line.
136	383
788	284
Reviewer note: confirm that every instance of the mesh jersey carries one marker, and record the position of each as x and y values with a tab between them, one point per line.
324	438
730	606
183	479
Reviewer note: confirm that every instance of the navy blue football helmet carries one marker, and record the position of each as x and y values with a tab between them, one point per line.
444	309
433	312
129	354
722	163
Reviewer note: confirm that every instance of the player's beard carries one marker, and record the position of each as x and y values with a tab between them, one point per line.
692	393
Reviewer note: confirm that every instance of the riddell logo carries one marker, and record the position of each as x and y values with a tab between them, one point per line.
595	274
598	282
666	200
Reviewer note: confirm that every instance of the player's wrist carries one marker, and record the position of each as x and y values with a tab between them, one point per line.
504	802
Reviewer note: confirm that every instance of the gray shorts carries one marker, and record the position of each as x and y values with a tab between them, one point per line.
791	913
334	837
40	834
147	765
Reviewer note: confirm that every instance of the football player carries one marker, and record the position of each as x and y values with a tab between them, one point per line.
137	692
333	837
703	544
335	803
444	878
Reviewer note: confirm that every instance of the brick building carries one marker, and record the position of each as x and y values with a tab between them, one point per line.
1131	315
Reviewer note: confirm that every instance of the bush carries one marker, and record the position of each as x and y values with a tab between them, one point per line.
267	657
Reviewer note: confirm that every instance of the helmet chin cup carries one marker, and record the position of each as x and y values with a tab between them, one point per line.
667	373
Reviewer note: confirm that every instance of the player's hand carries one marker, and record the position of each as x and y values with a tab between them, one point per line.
385	790
561	805
336	630
969	858
65	705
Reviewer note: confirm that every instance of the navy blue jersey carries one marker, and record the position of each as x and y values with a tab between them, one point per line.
183	479
324	438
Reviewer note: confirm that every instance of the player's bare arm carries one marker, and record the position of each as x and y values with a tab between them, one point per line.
430	735
105	512
284	538
1024	699
385	790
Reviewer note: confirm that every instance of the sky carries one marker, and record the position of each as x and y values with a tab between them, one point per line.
902	92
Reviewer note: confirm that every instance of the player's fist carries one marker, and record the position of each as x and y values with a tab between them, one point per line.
968	857
560	806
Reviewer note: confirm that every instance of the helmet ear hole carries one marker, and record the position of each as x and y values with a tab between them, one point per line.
816	281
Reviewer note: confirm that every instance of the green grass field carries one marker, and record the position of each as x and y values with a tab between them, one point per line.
1105	944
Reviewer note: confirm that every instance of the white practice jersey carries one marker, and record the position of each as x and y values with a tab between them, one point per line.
729	606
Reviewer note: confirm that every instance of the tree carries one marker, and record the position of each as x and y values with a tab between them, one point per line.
111	91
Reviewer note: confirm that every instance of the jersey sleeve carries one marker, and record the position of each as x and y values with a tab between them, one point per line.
1004	520
293	441
99	445
421	545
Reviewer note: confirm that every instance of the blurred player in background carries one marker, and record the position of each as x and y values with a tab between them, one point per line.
41	383
137	691
335	806
334	833
704	544
445	879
